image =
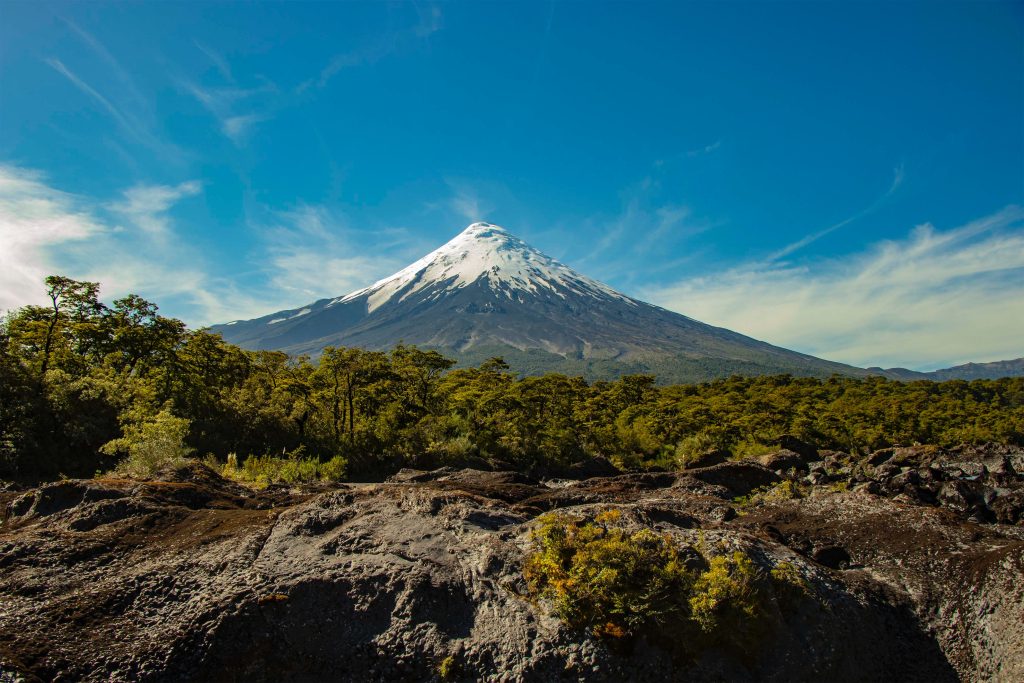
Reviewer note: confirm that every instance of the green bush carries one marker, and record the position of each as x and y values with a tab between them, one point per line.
150	445
333	469
774	493
604	579
695	445
618	584
262	470
726	597
448	668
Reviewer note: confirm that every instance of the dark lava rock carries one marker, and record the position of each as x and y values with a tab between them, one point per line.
196	578
807	451
1009	508
408	475
587	469
1003	472
967	497
783	461
880	456
712	456
908	478
818	478
740	478
870	487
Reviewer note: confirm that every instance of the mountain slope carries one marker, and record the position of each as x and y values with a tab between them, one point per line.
967	371
488	293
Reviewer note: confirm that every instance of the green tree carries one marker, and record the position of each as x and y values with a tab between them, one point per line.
150	444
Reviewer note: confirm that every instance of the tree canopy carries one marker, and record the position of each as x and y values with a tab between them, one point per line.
80	379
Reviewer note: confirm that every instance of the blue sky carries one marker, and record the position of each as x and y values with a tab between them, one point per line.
842	179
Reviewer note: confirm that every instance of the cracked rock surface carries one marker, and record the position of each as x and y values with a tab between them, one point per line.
191	577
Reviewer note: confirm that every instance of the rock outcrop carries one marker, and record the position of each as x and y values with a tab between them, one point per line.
914	561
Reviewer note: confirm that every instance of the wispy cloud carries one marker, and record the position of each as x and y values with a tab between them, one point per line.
666	220
134	244
706	149
643	224
467	204
114	112
44	231
897	181
238	128
130	123
115	66
932	299
429	21
146	206
312	253
218	61
225	103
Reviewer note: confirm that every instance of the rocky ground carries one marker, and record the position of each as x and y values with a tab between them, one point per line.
914	560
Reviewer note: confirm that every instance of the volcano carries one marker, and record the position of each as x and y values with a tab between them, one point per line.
488	293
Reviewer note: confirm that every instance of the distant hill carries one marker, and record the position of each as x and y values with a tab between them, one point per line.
487	293
967	371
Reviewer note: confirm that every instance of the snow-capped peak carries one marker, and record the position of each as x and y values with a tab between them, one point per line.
482	250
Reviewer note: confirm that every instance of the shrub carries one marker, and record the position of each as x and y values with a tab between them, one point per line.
262	470
787	575
783	490
453	449
694	446
448	668
333	469
150	445
751	448
726	597
604	579
617	584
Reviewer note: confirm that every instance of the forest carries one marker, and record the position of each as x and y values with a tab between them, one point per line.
86	388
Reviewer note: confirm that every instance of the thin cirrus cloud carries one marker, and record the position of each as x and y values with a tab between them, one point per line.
130	124
113	64
311	253
897	181
706	149
115	113
467	204
641	225
238	128
217	60
933	298
235	109
428	22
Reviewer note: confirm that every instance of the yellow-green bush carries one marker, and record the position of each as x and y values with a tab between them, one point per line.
604	579
262	470
726	596
693	446
617	583
150	444
786	574
783	490
448	668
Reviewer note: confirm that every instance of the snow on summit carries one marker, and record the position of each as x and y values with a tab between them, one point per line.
510	266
